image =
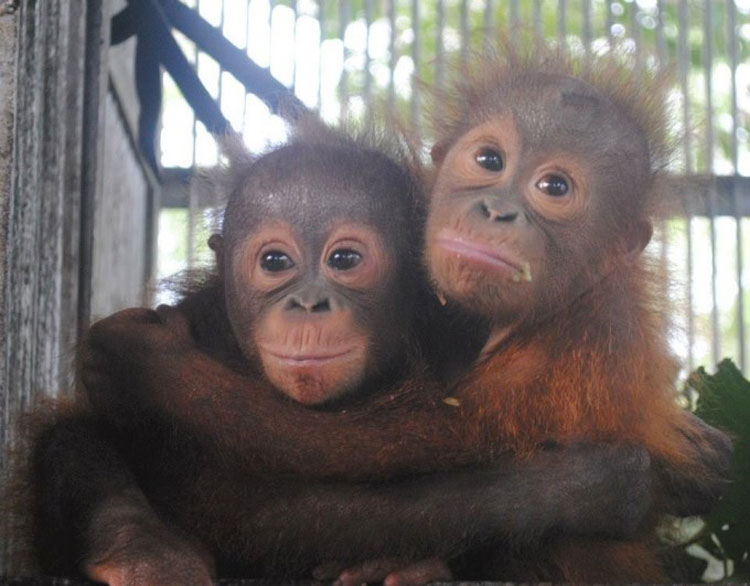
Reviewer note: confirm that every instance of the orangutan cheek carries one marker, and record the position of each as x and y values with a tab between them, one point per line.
244	325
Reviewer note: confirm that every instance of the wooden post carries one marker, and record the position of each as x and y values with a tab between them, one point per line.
46	47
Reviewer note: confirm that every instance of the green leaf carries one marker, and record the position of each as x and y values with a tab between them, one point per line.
724	402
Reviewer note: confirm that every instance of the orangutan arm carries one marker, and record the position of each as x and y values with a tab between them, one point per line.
142	368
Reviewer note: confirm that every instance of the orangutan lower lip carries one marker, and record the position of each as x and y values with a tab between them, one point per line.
309	359
470	249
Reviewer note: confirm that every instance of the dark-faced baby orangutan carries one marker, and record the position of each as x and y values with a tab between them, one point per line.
318	285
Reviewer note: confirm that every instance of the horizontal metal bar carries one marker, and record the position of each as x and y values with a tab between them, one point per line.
715	196
175	186
694	193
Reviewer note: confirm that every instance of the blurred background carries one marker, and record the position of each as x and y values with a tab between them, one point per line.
349	58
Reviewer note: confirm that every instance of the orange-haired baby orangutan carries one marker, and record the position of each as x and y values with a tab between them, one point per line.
546	188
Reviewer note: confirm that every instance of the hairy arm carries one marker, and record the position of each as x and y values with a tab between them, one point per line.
90	516
142	369
575	490
143	364
695	489
92	513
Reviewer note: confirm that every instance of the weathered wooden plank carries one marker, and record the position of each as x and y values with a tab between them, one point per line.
41	191
66	222
51	164
120	226
25	209
96	83
74	21
8	39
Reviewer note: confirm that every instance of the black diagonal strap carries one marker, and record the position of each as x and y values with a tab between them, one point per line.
153	24
148	87
256	79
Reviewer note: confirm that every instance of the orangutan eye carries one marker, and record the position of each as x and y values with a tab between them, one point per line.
553	185
344	259
275	261
490	159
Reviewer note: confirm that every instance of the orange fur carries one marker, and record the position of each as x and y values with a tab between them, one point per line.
601	367
596	367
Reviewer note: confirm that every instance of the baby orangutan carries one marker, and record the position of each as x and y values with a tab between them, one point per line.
547	183
318	285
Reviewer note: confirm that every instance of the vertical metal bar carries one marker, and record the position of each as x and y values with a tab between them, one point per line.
368	78
684	68
464	30
537	16
439	46
732	55
344	82
488	24
661	53
191	191
415	105
515	20
586	32
294	47
322	26
392	55
221	69
247	42
562	9
708	88
733	153
635	32
661	41
196	212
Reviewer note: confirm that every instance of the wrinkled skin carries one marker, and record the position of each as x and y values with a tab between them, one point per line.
317	270
522	220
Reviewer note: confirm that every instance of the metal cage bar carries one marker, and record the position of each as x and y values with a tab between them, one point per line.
424	37
734	154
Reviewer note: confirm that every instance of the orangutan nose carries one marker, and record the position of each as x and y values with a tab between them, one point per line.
489	210
310	302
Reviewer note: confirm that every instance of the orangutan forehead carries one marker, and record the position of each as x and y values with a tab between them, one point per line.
545	97
313	199
554	111
308	185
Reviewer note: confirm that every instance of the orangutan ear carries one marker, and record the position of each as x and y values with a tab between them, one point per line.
216	243
638	239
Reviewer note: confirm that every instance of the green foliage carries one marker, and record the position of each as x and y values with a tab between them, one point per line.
724	402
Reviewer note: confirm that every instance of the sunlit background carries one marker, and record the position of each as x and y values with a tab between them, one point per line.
342	58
